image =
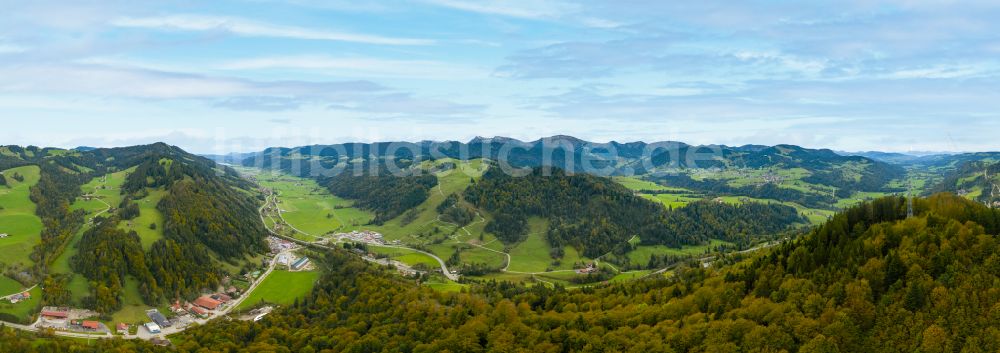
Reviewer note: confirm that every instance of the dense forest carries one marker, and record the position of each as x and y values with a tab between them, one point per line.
106	256
454	210
595	214
878	283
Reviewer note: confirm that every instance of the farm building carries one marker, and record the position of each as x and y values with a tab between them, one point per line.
152	327
91	325
222	298
207	302
158	318
55	314
198	311
300	263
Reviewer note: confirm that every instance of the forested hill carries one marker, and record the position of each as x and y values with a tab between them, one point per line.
570	153
868	281
379	190
978	180
595	214
208	214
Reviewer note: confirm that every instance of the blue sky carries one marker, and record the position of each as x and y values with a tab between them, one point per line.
216	76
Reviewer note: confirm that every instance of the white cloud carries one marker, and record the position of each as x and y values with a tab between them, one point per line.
520	9
11	49
244	27
362	66
109	81
528	9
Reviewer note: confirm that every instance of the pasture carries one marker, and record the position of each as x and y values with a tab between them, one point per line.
281	288
17	217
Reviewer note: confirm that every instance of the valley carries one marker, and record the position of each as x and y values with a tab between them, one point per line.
453	240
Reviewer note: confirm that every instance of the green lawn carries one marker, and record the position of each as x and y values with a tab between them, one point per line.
17	217
282	288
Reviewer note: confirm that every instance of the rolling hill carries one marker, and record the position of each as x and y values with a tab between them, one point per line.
162	220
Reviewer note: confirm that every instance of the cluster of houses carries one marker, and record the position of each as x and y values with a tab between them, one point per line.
364	236
278	245
591	268
62	317
202	307
19	297
85	325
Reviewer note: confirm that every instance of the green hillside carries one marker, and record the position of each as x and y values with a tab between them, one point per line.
17	217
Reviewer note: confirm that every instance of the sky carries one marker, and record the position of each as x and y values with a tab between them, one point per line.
225	76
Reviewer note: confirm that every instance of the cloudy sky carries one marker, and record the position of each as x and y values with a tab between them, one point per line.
216	76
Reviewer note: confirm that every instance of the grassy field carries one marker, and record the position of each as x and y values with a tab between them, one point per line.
406	256
474	255
108	190
421	228
9	286
17	217
148	214
133	310
532	254
642	253
311	208
673	200
25	309
282	288
448	286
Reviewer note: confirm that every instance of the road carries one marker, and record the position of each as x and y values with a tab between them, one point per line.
273	199
444	267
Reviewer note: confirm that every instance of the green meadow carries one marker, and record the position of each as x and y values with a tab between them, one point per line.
281	288
17	217
148	214
406	256
23	310
642	253
9	286
311	208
